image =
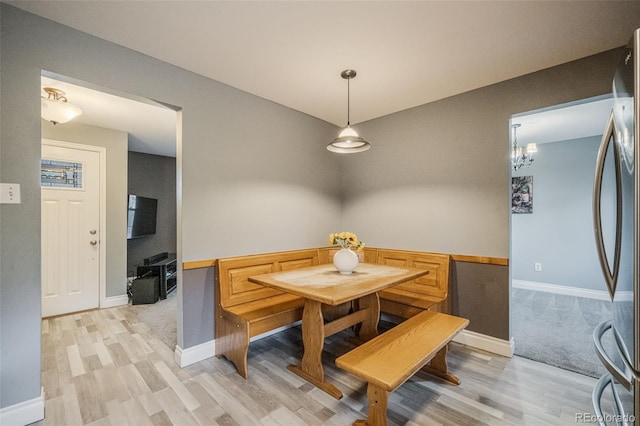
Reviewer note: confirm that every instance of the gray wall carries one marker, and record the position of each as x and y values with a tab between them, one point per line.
198	310
559	232
115	142
153	176
478	292
438	175
247	186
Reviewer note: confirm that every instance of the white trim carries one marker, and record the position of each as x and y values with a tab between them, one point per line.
473	339
185	357
486	343
113	301
23	413
571	291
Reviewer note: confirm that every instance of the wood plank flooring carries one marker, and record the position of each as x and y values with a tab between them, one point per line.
105	367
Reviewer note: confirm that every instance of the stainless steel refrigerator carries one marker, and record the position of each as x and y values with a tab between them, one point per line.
616	396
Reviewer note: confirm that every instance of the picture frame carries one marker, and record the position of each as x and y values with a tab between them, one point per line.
522	195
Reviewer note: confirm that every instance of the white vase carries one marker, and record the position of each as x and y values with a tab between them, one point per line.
345	260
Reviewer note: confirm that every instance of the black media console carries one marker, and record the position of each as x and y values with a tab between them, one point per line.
163	266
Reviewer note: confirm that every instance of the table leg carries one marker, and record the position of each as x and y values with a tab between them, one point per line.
311	368
369	328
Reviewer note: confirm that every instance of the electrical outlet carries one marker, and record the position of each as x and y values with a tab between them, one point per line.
9	193
537	267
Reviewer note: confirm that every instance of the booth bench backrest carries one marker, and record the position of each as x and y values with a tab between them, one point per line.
233	274
235	288
433	285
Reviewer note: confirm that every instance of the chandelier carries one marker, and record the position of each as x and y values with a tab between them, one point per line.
521	156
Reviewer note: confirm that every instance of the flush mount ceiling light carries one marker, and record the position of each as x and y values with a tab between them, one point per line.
521	156
348	140
56	108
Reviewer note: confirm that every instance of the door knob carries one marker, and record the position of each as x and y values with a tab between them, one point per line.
93	232
93	242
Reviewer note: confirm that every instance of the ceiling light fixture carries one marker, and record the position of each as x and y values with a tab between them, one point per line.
348	140
56	108
521	156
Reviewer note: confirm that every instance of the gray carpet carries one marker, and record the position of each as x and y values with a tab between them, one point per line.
161	317
557	329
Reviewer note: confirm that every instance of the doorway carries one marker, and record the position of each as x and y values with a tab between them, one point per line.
121	124
557	293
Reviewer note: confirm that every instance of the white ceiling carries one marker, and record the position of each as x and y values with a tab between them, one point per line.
406	53
151	128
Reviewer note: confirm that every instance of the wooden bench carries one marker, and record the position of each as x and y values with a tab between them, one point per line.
244	309
390	359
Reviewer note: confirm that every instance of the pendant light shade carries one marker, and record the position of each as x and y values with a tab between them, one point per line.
348	141
55	108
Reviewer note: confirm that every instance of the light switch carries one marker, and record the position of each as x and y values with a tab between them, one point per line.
9	193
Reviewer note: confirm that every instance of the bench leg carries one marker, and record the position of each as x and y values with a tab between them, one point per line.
438	367
232	341
377	414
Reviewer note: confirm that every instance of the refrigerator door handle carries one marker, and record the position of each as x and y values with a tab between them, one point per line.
623	377
596	398
610	276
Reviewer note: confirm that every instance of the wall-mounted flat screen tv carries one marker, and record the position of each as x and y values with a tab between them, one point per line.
141	216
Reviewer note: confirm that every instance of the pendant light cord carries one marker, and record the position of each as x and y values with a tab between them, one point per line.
348	102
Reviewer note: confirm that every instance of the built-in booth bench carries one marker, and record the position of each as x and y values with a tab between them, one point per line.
244	309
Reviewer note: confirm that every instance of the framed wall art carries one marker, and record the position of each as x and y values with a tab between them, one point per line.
521	194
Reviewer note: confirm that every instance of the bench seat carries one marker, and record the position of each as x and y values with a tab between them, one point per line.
263	314
390	359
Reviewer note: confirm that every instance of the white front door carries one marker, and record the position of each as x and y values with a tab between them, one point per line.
70	195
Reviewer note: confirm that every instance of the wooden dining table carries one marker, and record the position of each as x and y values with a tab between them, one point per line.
324	285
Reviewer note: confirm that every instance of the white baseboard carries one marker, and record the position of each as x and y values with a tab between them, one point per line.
486	343
473	339
113	301
571	291
184	357
23	413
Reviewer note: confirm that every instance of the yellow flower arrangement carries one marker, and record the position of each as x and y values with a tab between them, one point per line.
347	240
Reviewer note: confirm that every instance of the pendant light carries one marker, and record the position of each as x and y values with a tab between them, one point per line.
348	140
55	108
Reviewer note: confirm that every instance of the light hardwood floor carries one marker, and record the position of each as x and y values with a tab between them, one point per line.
105	367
